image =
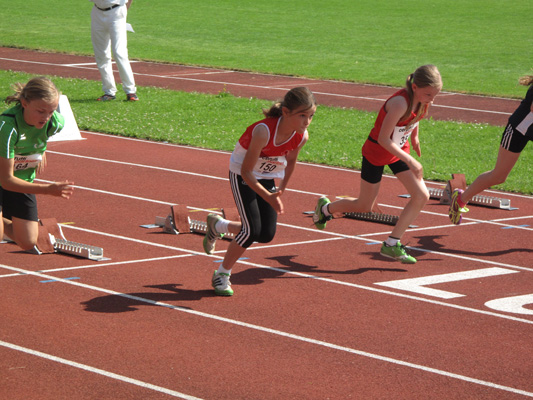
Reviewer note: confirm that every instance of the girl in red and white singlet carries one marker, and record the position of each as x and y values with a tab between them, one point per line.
267	150
388	144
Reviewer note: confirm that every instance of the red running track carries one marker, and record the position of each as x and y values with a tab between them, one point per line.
315	315
449	106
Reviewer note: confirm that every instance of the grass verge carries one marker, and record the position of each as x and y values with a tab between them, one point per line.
336	134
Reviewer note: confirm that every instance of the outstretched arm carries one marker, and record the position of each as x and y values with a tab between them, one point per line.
10	182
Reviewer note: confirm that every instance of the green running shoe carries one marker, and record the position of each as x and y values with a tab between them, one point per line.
455	212
211	235
221	284
397	252
318	217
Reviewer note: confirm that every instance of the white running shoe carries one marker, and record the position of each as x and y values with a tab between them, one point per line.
221	284
211	235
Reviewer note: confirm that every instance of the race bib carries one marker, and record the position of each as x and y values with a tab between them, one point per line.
270	165
402	134
27	162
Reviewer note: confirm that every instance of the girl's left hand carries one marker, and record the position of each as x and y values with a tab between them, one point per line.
275	201
416	147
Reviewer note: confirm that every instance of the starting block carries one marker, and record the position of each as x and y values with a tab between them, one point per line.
376	216
178	221
386	219
458	182
51	240
478	200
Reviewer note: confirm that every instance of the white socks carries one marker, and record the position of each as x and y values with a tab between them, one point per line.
222	226
222	270
391	241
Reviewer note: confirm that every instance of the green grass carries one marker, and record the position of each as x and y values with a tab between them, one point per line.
480	46
336	135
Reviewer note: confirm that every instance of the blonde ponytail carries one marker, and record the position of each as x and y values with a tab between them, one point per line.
424	76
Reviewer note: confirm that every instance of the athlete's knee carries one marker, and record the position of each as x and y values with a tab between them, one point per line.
266	235
26	243
420	197
498	177
265	238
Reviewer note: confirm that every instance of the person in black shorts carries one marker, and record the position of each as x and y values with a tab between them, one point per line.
517	133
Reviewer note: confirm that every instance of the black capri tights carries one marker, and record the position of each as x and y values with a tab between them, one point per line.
373	173
258	217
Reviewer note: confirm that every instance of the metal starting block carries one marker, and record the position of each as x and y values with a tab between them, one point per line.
79	249
378	217
179	222
373	217
478	200
51	240
458	181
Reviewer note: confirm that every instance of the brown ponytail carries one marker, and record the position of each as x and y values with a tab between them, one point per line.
296	98
526	80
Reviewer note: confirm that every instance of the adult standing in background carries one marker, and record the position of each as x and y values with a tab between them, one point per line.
109	34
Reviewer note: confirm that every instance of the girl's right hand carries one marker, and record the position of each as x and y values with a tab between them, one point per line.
61	189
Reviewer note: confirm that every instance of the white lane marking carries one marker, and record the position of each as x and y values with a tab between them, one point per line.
418	285
304	339
514	304
377	99
98	371
304	275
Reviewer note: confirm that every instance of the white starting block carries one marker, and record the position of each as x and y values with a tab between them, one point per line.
79	249
51	240
478	200
179	222
458	181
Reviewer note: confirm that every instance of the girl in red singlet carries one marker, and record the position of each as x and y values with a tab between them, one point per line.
388	144
266	151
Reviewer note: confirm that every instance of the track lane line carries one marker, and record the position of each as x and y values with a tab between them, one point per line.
247	85
98	371
357	237
310	276
288	335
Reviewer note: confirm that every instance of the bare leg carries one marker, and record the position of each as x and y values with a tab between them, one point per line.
419	197
504	164
2	225
368	194
22	231
234	227
220	280
233	253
